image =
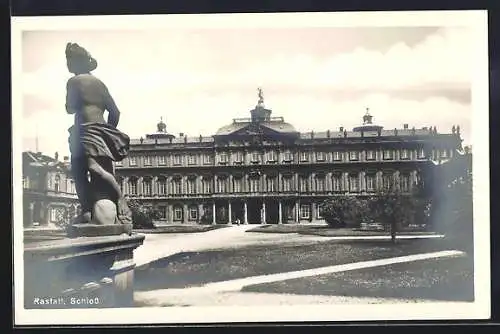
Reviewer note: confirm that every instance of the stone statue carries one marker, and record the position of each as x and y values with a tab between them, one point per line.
94	142
261	96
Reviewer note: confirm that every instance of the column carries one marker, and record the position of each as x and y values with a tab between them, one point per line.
200	212
362	181
280	213
245	213
313	211
154	186
213	213
31	216
229	213
170	214
297	211
125	185
185	214
139	186
263	212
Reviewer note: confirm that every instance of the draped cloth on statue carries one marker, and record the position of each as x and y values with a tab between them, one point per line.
98	140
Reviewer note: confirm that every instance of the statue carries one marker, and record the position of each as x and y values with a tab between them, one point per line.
261	96
94	143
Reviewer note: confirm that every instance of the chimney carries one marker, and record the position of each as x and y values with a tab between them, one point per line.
312	134
405	126
56	156
185	139
328	134
341	129
141	140
201	138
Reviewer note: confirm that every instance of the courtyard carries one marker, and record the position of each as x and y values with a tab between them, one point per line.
235	266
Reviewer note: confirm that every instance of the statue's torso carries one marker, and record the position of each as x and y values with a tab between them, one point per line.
92	95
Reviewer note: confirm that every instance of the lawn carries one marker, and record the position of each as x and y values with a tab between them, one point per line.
181	228
198	268
449	279
325	230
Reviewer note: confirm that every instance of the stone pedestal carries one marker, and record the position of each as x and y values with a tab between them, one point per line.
82	272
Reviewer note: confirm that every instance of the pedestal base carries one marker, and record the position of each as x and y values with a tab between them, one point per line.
94	230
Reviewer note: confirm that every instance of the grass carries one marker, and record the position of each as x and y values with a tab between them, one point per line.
181	228
197	268
327	231
450	279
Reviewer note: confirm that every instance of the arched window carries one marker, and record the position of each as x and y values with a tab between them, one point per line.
57	182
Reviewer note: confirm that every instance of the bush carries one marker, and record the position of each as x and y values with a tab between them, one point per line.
142	216
345	211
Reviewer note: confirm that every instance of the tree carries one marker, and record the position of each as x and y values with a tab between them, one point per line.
142	216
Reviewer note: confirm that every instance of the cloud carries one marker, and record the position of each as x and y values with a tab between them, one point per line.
199	86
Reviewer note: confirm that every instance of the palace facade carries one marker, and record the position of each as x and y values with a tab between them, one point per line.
262	170
49	194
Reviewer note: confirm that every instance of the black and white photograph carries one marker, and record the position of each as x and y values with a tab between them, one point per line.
225	168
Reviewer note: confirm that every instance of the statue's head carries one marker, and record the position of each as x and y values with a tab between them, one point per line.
79	60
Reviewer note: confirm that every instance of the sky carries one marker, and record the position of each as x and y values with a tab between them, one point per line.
198	79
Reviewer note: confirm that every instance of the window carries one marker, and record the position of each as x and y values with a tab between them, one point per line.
222	184
287	183
162	212
287	156
238	158
193	213
177	186
223	158
272	184
207	185
119	163
388	154
207	159
54	213
370	182
57	182
146	187
318	214
147	161
72	189
177	159
26	182
387	181
237	185
304	156
132	187
192	159
161	160
444	153
404	154
271	156
162	186
303	184
337	156
254	184
337	182
177	213
320	156
370	155
421	153
320	183
353	183
353	155
191	185
255	157
305	211
133	161
405	182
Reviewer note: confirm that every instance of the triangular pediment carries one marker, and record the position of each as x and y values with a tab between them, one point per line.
253	129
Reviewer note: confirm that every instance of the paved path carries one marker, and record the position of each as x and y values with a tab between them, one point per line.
157	246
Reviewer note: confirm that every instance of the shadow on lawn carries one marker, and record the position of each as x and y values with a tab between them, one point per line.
197	268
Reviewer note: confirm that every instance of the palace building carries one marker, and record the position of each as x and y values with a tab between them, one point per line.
262	170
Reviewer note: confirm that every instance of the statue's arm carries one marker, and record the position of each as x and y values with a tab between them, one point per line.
71	97
113	111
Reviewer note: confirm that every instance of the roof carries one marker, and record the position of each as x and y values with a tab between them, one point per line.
37	159
176	140
277	124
